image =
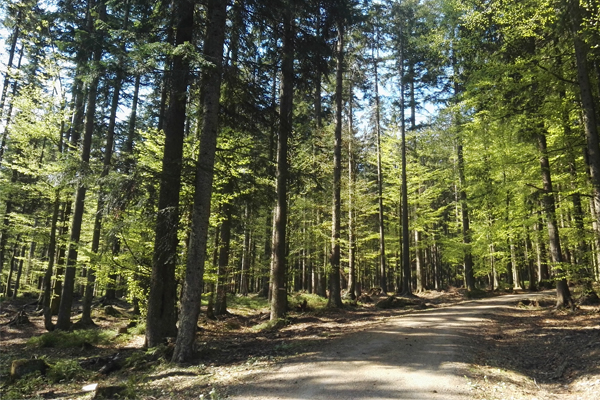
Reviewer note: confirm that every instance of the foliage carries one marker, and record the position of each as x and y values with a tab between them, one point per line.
67	370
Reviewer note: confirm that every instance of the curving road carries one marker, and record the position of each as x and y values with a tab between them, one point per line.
422	355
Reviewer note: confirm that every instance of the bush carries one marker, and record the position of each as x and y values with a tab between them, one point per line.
62	339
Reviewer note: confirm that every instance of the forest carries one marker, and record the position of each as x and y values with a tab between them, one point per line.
178	154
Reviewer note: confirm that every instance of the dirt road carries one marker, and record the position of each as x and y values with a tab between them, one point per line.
423	355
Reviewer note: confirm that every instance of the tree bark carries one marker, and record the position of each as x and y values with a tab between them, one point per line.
351	185
211	86
19	272
64	311
47	282
161	318
245	253
335	299
5	83
563	295
382	260
587	101
406	273
224	249
278	268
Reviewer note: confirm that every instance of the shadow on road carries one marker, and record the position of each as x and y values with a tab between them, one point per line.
427	354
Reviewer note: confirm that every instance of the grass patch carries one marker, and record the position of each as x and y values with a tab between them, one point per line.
62	339
252	302
271	325
313	301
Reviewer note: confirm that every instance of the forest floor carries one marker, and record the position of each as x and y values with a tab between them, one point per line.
438	345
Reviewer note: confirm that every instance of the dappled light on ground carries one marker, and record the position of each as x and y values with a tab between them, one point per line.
430	354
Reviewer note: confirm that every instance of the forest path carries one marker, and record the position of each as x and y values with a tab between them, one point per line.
422	355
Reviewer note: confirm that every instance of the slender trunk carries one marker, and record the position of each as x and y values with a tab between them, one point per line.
5	226
351	185
64	311
11	265
46	286
382	261
6	82
335	299
11	54
86	317
516	275
133	116
419	267
19	271
211	87
60	259
587	101
406	273
466	230
224	249
245	253
166	88
529	263
563	295
278	270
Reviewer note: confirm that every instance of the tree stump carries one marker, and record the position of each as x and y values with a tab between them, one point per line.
22	367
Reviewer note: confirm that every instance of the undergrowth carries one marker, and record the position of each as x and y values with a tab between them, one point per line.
62	339
313	302
67	370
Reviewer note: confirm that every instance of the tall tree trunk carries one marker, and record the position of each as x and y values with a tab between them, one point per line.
466	229
406	273
211	86
419	265
382	260
563	295
587	101
162	317
6	82
224	249
516	274
60	259
11	265
19	271
278	268
352	287
335	299
86	316
245	253
4	233
47	282
64	311
11	54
